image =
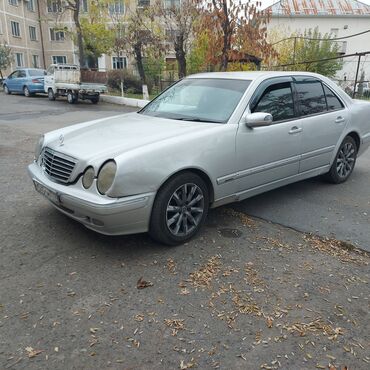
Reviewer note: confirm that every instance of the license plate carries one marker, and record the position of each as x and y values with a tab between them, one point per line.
47	193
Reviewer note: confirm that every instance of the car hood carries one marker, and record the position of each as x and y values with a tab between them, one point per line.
107	138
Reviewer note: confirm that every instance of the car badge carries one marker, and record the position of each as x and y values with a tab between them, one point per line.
61	140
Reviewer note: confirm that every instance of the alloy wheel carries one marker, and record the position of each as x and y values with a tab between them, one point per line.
346	159
185	209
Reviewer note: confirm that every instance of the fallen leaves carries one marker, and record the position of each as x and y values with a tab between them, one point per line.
175	325
171	265
32	352
207	272
141	283
188	365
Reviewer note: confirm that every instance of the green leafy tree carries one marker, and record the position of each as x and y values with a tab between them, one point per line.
6	58
307	47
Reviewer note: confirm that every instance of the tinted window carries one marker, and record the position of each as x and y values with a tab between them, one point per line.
22	74
333	102
36	72
277	100
311	96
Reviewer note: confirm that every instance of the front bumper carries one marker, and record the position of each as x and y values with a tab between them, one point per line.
110	216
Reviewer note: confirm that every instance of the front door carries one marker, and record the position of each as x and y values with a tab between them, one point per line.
268	154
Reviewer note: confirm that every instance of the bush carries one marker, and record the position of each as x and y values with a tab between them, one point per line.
130	81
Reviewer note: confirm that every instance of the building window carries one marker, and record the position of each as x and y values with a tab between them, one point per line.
19	59
59	59
54	6
172	3
119	62
117	7
143	3
13	2
31	5
15	29
56	35
32	30
35	61
84	6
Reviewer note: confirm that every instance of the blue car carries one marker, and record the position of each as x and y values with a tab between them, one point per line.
27	81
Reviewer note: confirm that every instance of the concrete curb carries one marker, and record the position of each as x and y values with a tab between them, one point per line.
131	102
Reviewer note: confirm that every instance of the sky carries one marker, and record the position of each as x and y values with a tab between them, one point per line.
266	3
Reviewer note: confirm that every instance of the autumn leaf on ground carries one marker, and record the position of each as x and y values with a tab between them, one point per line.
141	283
269	322
189	365
32	352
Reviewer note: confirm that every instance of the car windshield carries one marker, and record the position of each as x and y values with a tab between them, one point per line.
198	99
36	72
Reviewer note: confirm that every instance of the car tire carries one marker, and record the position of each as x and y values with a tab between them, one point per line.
6	90
71	97
344	161
180	209
26	92
51	95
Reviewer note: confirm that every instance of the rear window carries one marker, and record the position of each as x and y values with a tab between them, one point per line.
333	102
36	72
311	96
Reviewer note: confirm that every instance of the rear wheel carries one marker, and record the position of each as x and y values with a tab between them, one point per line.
95	100
6	90
71	97
344	161
180	209
51	95
26	92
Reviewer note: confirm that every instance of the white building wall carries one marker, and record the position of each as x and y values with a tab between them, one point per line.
346	25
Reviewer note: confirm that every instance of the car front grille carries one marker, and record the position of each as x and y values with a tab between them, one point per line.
57	165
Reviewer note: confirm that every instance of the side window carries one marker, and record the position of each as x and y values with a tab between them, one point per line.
277	100
333	102
310	96
13	75
22	74
50	71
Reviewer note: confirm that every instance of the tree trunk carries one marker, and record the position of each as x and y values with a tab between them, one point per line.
180	55
76	19
139	61
226	38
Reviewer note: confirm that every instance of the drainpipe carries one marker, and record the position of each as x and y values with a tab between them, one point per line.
41	34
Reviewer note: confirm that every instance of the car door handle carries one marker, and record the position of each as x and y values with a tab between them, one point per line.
295	130
339	119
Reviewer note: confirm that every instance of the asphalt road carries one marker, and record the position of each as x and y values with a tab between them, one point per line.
243	294
340	211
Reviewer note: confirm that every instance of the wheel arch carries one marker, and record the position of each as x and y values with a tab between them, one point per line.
202	174
356	137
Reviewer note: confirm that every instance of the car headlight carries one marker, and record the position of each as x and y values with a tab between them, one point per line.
88	177
106	176
39	146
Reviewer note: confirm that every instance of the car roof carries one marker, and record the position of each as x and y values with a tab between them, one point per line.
252	75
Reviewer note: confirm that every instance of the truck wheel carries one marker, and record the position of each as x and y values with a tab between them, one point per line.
95	100
51	95
71	97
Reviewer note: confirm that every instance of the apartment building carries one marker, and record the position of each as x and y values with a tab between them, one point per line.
38	32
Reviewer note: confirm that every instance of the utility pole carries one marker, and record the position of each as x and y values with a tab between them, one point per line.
358	67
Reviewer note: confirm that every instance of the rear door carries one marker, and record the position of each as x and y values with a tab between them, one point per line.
20	81
323	119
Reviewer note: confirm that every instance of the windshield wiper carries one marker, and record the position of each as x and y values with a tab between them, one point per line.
196	119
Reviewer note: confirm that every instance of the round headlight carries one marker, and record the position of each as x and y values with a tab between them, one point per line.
88	177
39	146
106	176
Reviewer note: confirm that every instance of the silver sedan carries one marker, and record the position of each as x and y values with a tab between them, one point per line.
208	140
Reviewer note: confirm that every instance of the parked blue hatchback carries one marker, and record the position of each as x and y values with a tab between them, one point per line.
27	81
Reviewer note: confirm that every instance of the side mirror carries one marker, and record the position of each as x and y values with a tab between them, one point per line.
258	119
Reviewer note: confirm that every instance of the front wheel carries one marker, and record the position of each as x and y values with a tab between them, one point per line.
6	90
51	95
344	161
180	209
